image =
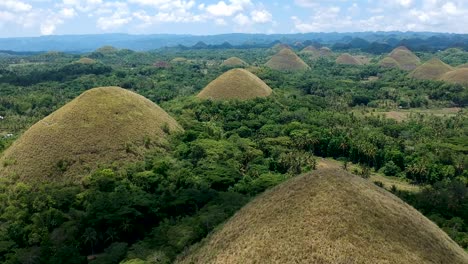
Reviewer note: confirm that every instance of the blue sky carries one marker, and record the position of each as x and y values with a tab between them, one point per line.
20	18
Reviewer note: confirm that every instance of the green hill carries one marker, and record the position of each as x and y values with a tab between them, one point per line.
329	216
431	70
389	62
235	84
101	126
287	60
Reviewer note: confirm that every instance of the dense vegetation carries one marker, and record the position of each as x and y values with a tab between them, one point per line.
230	150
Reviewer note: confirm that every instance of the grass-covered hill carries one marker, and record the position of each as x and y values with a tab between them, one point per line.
235	84
329	216
287	60
347	59
389	62
234	62
459	76
431	70
405	58
101	126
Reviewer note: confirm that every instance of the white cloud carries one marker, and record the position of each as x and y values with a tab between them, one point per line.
261	16
15	6
227	9
117	20
166	4
242	20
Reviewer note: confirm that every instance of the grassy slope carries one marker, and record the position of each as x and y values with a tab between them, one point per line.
328	216
346	58
99	126
287	60
456	76
389	62
431	70
235	84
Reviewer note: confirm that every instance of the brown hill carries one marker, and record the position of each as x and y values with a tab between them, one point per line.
85	60
310	50
389	62
287	60
235	84
463	65
459	75
325	52
405	58
278	47
234	62
346	58
101	126
431	70
329	216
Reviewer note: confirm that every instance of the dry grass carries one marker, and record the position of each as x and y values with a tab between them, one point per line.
363	59
101	126
235	84
463	65
325	52
85	60
347	59
287	60
310	50
459	75
431	70
234	62
405	58
402	115
328	216
389	62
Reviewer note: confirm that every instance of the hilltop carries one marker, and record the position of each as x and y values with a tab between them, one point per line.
310	50
86	60
346	58
101	126
234	62
328	216
431	70
405	58
287	60
235	84
459	75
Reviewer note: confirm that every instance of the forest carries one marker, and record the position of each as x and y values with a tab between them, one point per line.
154	209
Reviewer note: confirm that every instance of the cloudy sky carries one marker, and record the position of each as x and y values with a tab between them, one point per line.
203	17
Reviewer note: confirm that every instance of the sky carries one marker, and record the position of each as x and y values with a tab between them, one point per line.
22	18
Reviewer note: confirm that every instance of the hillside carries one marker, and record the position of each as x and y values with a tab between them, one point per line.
287	60
101	126
235	84
325	52
234	62
405	58
431	70
86	60
347	59
328	216
389	62
309	50
459	75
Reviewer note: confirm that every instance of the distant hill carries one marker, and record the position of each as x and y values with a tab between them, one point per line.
328	216
347	59
235	84
101	126
234	62
286	60
375	42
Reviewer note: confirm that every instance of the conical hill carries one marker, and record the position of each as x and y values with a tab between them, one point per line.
287	60
431	70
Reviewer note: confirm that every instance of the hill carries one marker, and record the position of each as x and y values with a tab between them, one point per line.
235	84
389	62
463	65
431	70
405	58
325	52
329	216
346	58
309	50
101	126
279	46
459	75
287	60
85	60
234	62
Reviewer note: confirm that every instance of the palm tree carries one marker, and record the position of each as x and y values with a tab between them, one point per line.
90	236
